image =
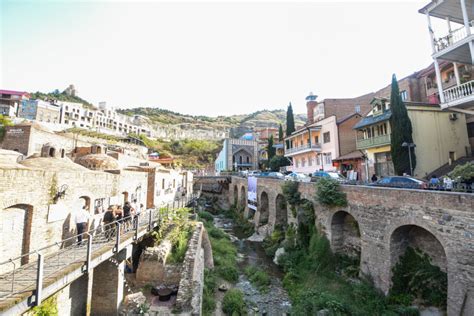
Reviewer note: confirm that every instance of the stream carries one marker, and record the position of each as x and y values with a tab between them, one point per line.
275	301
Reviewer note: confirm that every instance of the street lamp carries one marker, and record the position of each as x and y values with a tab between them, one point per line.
409	146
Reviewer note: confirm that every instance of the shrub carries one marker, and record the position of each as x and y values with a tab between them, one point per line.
233	302
328	192
292	196
465	172
272	242
210	284
206	216
257	277
49	307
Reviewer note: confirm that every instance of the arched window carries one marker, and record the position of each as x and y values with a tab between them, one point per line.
248	159
52	152
240	159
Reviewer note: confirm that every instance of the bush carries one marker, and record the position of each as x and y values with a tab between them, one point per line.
210	285
292	196
328	192
258	277
277	162
233	302
465	172
272	242
206	216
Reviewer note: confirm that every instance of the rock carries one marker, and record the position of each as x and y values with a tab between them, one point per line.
132	301
223	287
431	311
278	253
255	309
323	312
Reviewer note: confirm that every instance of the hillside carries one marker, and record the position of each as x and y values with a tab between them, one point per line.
59	96
238	124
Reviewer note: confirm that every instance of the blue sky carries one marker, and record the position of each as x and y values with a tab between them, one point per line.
210	58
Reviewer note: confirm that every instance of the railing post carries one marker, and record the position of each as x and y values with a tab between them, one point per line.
39	280
117	239
89	253
137	218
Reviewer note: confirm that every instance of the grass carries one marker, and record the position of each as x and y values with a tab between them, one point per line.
233	303
258	278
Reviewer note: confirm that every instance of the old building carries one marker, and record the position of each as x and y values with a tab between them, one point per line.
10	101
439	136
237	154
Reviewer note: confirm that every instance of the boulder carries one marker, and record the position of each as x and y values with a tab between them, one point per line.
278	253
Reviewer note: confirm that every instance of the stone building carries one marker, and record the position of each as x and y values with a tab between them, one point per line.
237	154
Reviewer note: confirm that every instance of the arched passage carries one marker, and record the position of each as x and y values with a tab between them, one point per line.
16	221
243	198
263	209
52	152
281	215
345	234
418	266
236	195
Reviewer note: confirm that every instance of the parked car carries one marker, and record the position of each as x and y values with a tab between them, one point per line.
301	177
401	182
328	174
275	175
254	173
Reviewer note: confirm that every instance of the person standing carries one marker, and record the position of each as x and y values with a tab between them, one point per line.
81	218
374	178
109	218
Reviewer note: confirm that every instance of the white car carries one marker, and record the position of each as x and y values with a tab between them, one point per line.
301	177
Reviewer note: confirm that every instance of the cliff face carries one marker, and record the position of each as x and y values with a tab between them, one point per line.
170	125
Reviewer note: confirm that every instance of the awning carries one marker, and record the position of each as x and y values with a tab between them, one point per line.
357	154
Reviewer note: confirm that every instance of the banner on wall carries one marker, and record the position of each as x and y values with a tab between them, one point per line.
252	193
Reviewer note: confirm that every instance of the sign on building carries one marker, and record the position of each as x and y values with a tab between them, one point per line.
252	193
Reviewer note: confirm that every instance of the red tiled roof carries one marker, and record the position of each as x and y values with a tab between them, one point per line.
14	92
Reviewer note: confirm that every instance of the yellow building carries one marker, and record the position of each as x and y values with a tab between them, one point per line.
440	137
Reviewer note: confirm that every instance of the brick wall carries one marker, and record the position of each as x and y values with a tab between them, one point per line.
343	107
347	135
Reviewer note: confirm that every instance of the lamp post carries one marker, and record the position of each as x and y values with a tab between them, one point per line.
409	146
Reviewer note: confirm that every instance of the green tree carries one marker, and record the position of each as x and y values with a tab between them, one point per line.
280	133
4	121
290	123
270	149
278	161
401	132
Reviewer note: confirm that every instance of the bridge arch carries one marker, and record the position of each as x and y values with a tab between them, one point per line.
17	219
418	238
243	198
236	195
345	234
264	209
281	211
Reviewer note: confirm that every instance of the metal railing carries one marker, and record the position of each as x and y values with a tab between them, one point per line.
293	150
52	259
459	92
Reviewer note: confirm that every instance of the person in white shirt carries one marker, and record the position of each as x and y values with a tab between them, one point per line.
81	219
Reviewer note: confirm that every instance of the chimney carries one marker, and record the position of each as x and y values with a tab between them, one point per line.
310	105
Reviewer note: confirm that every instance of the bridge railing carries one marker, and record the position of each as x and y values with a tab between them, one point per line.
28	271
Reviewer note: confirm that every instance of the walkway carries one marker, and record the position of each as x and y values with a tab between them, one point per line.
67	261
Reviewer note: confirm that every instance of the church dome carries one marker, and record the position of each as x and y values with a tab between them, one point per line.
98	162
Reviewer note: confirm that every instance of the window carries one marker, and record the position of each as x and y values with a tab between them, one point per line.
248	159
297	163
404	95
318	160
470	129
357	108
327	159
310	161
303	162
326	137
316	139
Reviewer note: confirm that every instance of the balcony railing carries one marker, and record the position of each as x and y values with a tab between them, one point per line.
451	39
459	92
373	142
316	147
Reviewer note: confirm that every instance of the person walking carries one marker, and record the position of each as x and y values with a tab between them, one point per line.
127	215
374	178
109	218
81	219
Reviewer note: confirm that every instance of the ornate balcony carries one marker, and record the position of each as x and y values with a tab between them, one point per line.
377	141
302	149
458	94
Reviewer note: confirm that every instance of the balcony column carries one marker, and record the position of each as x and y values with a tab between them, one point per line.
465	17
456	74
309	138
438	81
430	29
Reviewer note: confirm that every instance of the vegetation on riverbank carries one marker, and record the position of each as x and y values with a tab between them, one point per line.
242	225
258	277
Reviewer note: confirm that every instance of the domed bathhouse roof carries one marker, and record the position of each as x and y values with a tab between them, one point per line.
98	162
51	163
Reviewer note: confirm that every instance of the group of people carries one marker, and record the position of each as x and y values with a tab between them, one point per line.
126	215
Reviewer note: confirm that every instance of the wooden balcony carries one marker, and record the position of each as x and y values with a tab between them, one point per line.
302	149
377	141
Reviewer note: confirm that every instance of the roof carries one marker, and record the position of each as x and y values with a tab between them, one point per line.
98	162
370	120
345	118
12	92
356	154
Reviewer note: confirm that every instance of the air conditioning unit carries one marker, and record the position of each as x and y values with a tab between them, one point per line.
453	116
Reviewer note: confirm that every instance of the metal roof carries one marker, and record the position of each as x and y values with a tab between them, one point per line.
370	120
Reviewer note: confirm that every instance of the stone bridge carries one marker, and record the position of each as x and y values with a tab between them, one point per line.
381	223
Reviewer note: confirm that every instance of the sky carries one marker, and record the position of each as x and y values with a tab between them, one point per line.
210	58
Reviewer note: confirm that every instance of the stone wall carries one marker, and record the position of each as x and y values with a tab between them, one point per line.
389	220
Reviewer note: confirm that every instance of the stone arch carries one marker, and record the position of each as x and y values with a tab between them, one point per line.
243	197
18	219
417	237
264	209
421	238
281	211
345	234
52	152
236	195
